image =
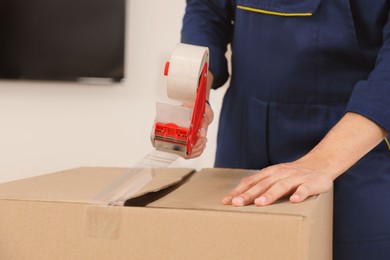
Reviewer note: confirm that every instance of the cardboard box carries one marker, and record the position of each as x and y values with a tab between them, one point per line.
172	214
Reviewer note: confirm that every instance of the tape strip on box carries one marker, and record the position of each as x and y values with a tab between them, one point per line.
102	218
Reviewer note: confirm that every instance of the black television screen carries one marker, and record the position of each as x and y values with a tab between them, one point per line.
62	40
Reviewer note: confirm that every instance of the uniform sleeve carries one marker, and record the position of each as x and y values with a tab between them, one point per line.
210	23
371	97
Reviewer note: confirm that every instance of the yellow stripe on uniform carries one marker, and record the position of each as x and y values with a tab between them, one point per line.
387	142
271	12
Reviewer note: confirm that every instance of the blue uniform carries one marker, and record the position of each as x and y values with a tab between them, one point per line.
297	67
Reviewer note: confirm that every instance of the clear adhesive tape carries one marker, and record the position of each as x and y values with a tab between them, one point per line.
185	68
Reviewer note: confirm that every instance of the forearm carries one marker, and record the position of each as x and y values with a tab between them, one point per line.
349	140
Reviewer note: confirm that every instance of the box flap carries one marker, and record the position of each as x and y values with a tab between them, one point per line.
206	189
86	184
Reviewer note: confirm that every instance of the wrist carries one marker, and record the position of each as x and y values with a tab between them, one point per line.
323	163
345	144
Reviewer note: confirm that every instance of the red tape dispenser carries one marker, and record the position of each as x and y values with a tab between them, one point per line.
176	127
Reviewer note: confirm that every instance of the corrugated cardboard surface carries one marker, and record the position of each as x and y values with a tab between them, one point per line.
38	221
83	185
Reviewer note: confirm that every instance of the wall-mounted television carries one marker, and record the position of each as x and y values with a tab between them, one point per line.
64	40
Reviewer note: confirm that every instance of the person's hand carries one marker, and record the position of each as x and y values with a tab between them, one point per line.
298	179
348	141
200	145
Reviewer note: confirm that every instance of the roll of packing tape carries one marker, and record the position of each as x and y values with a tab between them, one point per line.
185	67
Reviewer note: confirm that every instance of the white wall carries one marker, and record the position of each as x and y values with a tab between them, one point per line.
48	126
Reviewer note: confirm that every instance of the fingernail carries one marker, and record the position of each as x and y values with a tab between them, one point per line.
227	200
238	201
294	197
260	200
